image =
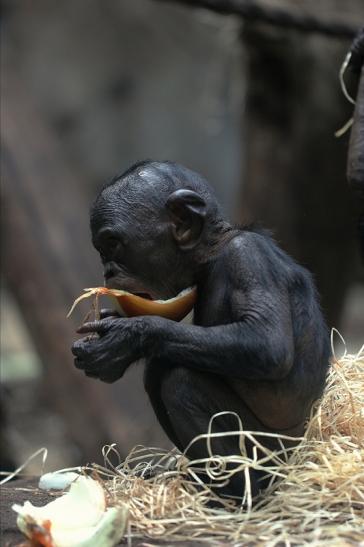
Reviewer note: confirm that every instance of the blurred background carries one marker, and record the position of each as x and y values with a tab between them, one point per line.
247	93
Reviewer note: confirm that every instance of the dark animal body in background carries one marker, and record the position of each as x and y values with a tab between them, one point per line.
259	345
355	167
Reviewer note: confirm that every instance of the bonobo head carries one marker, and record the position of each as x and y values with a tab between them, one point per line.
154	227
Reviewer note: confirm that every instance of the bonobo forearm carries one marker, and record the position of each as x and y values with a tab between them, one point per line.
239	349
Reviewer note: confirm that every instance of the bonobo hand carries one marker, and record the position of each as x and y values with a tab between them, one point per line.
119	343
107	312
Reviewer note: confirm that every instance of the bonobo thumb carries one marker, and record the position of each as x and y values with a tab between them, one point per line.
101	327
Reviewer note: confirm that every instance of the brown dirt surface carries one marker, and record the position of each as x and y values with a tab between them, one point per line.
20	490
17	491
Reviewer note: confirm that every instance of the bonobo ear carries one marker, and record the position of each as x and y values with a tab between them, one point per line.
187	210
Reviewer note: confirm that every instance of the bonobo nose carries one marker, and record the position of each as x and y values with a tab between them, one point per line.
109	271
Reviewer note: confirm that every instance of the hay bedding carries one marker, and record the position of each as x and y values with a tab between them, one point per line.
316	496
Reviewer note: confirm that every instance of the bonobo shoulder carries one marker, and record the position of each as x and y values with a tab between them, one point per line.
249	250
254	255
252	240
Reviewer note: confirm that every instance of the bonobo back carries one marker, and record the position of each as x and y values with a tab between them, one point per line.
252	263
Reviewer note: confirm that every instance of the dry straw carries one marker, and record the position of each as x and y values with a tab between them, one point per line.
316	496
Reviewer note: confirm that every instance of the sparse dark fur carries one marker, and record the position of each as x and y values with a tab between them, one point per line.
259	345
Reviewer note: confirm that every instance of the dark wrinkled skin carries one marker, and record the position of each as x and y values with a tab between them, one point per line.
259	345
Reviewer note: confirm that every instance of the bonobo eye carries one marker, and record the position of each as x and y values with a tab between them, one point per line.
108	244
111	243
111	247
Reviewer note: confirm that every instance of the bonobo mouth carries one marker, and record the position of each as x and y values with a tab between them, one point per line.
115	278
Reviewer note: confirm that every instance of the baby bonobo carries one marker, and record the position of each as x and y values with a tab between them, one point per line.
258	345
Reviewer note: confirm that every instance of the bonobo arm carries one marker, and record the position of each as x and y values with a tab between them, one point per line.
257	343
257	346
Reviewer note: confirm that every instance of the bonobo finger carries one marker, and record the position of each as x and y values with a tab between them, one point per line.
90	374
101	327
85	365
79	348
110	377
79	363
106	312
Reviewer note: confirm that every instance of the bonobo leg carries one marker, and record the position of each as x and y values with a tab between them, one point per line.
184	401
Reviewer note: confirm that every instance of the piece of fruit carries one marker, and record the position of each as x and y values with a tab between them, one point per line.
132	305
79	518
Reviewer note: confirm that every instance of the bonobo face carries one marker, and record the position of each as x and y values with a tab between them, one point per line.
148	232
139	255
